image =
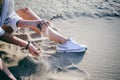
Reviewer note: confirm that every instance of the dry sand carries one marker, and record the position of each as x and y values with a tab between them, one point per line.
101	35
66	9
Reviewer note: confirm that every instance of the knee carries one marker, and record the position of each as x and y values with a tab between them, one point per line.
23	10
27	8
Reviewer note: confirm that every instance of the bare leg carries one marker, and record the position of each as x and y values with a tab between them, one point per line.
53	35
28	14
6	70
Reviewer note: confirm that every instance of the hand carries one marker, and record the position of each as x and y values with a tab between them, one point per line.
44	24
33	50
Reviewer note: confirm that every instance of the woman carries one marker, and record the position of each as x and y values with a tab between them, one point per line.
9	18
30	20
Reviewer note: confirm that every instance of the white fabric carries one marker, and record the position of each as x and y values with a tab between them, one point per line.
8	16
1	31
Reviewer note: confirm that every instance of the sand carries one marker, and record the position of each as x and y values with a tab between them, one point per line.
95	25
100	35
66	9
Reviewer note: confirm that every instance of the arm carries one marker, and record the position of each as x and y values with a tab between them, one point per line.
28	23
12	19
6	70
17	41
13	39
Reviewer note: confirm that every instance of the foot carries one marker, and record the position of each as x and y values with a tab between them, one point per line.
71	46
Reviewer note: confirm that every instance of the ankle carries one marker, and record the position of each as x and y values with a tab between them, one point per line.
63	41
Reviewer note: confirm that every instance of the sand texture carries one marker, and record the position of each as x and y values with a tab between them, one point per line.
65	9
94	23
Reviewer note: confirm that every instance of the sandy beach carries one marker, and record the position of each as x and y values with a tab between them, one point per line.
99	30
101	36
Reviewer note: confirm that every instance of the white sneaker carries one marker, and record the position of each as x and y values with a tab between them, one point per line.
71	46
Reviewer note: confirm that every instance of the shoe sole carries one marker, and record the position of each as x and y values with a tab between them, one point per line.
74	50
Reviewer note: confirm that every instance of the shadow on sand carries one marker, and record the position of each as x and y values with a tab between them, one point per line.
56	63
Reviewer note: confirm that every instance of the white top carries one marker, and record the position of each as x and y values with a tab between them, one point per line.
8	16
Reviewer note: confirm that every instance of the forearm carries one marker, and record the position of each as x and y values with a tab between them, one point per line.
17	41
6	70
13	40
28	23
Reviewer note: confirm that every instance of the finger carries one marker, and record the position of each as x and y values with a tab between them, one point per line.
43	21
35	53
44	25
39	49
48	23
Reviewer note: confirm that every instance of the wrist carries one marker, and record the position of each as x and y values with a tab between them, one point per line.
26	46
